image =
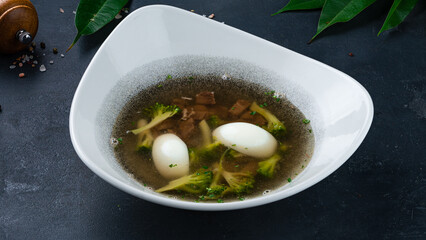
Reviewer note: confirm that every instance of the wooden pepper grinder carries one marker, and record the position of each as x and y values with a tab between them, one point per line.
18	25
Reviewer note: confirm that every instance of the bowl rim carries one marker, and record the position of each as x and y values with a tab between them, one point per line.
252	202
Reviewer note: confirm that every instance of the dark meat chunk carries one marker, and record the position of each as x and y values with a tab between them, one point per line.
239	107
200	108
166	124
181	103
187	113
220	111
186	128
205	98
200	112
256	119
200	115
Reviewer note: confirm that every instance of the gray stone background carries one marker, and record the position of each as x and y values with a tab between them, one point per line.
46	192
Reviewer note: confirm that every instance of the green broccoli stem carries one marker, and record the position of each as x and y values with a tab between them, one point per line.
145	139
175	183
157	120
267	167
219	170
194	183
206	133
275	126
141	123
265	113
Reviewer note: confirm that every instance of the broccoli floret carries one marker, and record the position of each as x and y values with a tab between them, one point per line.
214	121
145	139
216	191
195	183
209	152
275	126
267	167
158	113
206	153
240	182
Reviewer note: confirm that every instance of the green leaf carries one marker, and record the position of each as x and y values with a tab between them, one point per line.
92	15
399	10
335	11
301	5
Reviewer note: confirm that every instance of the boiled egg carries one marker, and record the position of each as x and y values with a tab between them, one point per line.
246	138
170	155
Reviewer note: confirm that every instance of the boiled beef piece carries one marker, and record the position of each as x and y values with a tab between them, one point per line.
239	107
205	98
186	128
256	118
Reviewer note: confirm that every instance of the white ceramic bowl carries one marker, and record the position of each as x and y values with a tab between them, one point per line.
157	40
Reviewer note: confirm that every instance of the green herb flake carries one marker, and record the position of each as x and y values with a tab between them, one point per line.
233	108
261	105
205	167
183	196
306	121
310	130
172	165
197	201
265	104
160	86
237	165
289	179
234	145
120	140
220	200
303	166
198	174
191	78
169	76
252	113
202	198
144	185
241	198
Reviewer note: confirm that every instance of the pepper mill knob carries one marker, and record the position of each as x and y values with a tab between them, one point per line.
18	25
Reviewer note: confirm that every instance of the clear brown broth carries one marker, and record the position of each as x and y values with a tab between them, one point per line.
299	137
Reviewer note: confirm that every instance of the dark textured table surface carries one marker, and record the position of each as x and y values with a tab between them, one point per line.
46	192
